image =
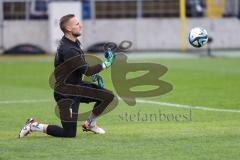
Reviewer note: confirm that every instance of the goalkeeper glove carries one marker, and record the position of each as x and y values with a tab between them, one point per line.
98	79
109	57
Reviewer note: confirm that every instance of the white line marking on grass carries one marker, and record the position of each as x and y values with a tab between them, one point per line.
165	104
174	105
25	101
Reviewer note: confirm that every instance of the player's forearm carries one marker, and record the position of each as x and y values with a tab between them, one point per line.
91	70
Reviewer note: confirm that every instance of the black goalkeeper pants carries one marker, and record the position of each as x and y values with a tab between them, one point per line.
69	105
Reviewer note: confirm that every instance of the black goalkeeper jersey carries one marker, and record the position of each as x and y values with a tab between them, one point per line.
68	49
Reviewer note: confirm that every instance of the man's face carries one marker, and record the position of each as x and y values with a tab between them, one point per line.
74	27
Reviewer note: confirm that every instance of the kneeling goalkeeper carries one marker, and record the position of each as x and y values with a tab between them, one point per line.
69	49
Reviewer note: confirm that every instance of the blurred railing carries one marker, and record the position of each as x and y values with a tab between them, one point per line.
109	9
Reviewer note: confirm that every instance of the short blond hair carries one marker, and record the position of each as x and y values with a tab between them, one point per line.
64	20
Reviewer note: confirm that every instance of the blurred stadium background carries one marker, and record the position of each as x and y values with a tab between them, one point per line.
205	88
151	25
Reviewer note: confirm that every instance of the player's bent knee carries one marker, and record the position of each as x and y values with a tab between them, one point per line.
110	97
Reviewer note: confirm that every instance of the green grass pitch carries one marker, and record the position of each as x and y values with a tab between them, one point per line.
210	82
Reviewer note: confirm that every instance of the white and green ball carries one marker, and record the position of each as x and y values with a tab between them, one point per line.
198	37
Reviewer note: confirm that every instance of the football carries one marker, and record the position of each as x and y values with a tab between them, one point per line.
198	37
